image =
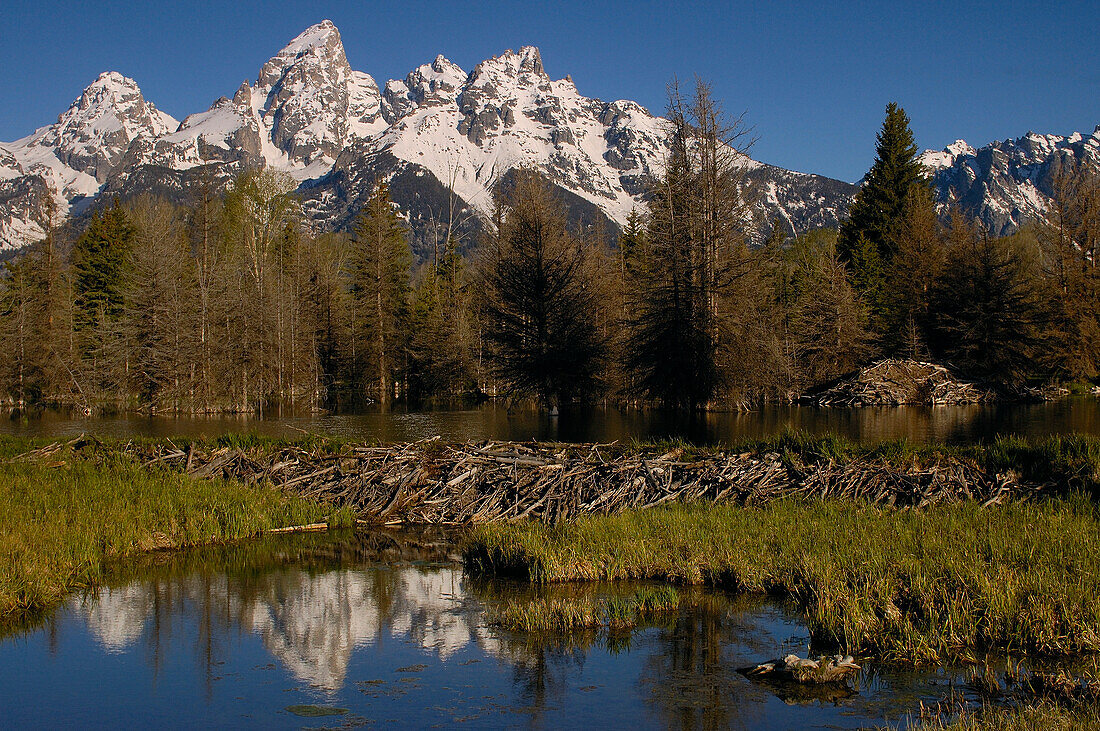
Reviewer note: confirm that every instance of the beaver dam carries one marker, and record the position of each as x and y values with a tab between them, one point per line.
451	484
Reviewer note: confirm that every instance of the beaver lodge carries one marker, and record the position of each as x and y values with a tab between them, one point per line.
431	482
893	382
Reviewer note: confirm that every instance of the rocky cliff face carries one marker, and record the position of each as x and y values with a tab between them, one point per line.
442	137
1007	184
72	158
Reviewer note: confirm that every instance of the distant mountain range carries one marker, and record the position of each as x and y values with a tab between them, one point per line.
1007	184
443	138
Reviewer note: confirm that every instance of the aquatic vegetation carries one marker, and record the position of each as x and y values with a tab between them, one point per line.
562	614
311	711
1045	715
941	583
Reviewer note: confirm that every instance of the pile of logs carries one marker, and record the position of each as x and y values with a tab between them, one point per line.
435	483
893	382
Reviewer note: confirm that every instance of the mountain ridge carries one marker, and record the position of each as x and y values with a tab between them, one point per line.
335	130
1007	184
443	137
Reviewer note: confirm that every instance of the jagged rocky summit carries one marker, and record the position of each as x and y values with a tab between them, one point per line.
1007	184
442	137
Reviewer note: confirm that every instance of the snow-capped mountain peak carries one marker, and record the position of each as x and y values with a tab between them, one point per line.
937	159
1008	183
429	85
310	114
93	133
72	158
525	62
307	104
302	96
318	36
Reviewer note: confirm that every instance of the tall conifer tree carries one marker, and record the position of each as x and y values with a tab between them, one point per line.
100	258
688	305
381	289
541	300
868	239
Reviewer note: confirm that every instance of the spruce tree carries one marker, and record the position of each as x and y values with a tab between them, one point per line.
869	238
541	302
380	290
99	261
988	307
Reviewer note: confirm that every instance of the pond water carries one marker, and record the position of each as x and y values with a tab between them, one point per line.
952	424
384	628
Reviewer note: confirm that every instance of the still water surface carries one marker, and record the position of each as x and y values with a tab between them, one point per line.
955	424
385	629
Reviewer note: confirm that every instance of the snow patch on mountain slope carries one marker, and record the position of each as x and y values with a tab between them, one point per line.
1007	184
309	111
469	130
73	156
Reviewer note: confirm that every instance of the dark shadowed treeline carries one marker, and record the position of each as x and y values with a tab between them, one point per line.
231	302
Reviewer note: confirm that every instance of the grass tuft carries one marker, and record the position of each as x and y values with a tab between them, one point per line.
563	614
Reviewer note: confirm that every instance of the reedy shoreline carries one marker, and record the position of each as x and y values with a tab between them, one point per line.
854	566
942	584
65	518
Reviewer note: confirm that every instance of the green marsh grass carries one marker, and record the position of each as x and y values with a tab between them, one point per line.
63	518
1047	715
909	586
563	614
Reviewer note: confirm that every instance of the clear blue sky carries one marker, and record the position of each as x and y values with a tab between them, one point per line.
812	77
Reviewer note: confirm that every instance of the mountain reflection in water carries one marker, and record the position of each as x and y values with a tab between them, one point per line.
387	626
310	622
309	618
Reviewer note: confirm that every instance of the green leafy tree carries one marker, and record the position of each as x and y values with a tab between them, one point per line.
35	315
